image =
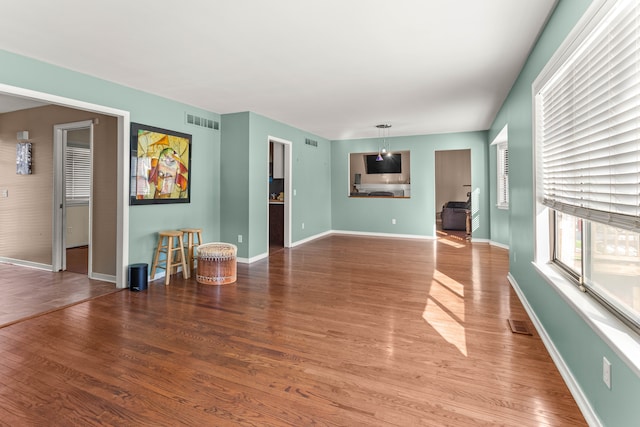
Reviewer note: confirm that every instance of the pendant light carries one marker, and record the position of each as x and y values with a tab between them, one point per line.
384	146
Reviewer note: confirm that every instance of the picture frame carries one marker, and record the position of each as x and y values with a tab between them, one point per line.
160	166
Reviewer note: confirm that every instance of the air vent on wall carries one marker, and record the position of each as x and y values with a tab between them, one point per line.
311	142
192	119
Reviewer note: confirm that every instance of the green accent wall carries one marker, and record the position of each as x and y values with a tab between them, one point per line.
145	221
234	180
417	214
245	175
579	346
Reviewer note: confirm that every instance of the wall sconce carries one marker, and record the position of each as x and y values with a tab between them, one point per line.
23	153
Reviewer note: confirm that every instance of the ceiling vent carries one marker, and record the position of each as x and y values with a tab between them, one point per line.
311	142
203	122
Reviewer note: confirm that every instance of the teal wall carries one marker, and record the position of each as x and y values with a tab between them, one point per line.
234	180
245	174
145	221
415	215
579	346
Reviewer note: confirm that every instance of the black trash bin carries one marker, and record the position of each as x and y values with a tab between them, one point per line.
138	276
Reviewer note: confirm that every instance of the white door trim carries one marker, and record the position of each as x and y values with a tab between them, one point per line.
122	208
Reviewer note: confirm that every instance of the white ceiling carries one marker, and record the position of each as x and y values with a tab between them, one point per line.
13	103
335	68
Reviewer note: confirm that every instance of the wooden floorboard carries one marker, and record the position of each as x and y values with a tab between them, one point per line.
77	259
28	292
341	331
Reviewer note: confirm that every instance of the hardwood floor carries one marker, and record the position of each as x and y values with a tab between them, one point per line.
28	292
78	259
341	331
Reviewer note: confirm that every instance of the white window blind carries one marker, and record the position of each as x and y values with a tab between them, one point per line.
77	174
589	127
503	175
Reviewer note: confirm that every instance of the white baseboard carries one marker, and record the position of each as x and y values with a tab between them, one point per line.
499	245
253	259
574	387
371	234
308	239
103	277
23	263
476	240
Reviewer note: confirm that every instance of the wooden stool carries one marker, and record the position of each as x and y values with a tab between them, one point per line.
189	237
174	254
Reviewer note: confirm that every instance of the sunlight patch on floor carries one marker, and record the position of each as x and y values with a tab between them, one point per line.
445	310
452	243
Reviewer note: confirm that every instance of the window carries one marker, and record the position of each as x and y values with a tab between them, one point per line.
503	176
502	167
77	173
587	132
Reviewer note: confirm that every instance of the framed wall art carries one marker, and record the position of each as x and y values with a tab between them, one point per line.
23	158
160	166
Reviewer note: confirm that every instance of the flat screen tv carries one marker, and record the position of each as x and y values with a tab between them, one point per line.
389	164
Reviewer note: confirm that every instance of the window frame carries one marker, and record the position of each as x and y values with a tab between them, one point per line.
502	168
502	162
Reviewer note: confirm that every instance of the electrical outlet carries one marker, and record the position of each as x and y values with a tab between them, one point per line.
393	221
239	238
606	372
4	193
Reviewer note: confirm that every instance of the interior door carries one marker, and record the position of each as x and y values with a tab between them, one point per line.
65	136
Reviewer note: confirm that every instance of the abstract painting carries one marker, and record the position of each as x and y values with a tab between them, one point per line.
160	166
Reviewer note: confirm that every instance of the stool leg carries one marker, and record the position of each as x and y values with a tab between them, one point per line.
183	259
199	243
169	266
190	250
156	258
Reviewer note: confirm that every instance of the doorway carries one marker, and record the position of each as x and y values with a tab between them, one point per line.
453	191
279	195
122	120
73	143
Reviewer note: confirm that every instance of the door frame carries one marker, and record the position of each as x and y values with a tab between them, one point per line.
59	244
122	204
288	202
435	182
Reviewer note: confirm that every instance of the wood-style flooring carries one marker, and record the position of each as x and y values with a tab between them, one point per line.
78	259
28	292
340	331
